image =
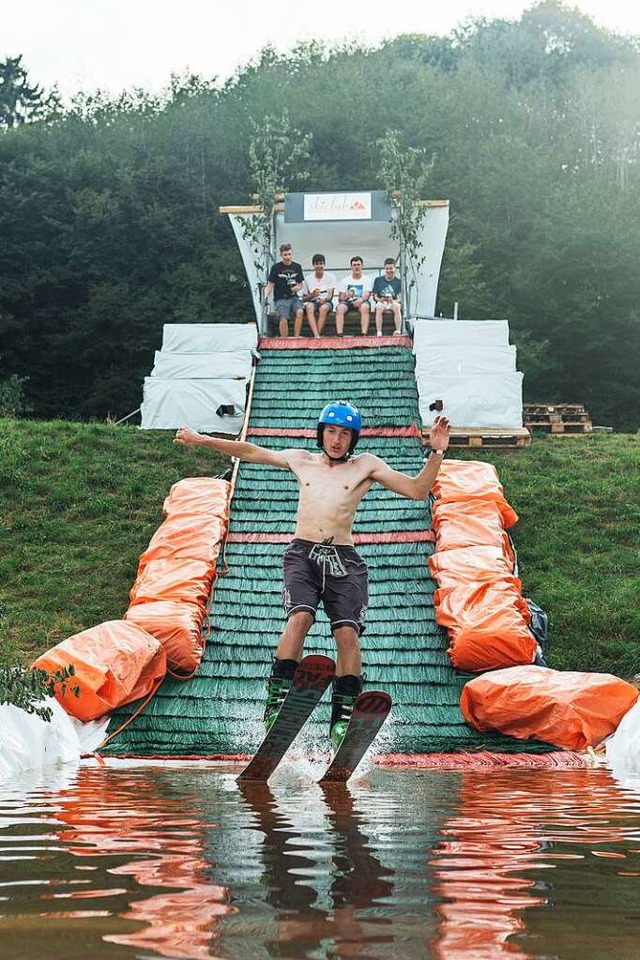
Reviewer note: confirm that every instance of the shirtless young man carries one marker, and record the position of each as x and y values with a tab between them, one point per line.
321	563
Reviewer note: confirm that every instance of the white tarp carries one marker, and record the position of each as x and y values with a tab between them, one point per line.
169	404
463	333
208	337
340	240
225	365
29	743
463	361
482	400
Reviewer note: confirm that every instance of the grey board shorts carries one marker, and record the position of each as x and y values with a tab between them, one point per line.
337	575
287	309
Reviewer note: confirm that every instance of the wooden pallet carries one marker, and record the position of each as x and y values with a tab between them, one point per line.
564	429
485	437
559	419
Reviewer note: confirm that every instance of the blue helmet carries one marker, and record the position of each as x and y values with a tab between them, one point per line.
342	414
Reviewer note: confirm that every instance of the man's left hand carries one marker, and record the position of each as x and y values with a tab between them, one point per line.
439	434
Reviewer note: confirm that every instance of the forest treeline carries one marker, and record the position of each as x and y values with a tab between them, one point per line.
108	206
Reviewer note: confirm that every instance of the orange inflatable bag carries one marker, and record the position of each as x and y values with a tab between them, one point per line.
198	495
185	537
488	625
470	524
566	709
478	564
188	580
462	480
115	663
178	627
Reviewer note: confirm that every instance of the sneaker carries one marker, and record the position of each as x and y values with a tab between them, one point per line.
397	333
277	689
379	333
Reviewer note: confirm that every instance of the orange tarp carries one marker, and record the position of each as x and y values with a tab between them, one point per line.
183	580
567	709
177	570
478	564
487	625
468	524
115	663
478	599
461	480
178	627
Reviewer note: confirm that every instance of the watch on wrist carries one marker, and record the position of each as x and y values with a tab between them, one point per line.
438	453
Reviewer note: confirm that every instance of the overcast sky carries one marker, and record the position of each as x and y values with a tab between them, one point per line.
119	44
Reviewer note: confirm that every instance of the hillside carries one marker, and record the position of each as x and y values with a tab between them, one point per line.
79	503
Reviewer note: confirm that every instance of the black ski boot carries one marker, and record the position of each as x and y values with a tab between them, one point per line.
345	691
278	686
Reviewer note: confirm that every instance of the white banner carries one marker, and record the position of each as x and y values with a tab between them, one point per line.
337	206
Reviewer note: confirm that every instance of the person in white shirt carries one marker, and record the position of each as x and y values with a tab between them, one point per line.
354	292
317	295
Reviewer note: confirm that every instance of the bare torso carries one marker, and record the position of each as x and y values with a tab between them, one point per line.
329	495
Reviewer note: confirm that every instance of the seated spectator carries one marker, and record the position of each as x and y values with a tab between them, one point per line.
386	296
317	294
285	280
354	293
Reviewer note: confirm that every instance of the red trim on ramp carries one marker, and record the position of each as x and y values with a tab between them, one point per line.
331	343
400	536
311	432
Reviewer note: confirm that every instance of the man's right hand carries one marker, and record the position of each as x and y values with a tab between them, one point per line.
187	435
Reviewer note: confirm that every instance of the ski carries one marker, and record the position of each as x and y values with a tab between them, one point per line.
370	711
312	677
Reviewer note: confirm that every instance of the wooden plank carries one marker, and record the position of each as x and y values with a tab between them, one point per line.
475	437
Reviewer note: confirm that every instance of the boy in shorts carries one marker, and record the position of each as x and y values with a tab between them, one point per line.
321	563
285	281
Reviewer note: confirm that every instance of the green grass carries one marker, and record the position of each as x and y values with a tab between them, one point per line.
80	502
78	505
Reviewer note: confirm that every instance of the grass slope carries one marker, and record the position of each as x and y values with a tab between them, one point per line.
79	503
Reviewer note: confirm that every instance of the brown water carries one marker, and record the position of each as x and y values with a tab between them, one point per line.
145	861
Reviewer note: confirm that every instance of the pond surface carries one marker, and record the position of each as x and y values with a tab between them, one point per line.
170	860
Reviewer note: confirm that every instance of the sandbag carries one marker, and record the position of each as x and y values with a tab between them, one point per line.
186	580
115	663
567	709
208	495
479	522
462	480
474	564
469	524
487	623
185	537
178	627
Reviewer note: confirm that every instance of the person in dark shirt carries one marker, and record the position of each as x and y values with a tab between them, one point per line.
386	297
285	281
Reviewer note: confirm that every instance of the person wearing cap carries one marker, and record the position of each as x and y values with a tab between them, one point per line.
321	563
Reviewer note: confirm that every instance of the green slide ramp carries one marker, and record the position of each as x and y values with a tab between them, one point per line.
219	711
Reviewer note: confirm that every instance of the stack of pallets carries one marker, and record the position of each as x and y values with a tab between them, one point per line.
560	419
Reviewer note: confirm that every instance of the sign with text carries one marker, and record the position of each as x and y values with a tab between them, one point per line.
337	206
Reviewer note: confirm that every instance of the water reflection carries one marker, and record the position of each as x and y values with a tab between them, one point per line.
150	861
357	879
519	844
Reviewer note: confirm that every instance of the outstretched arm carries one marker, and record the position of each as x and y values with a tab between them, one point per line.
234	448
418	487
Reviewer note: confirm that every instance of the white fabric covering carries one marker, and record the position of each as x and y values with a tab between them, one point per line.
29	743
226	365
465	361
169	404
461	333
208	337
481	400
